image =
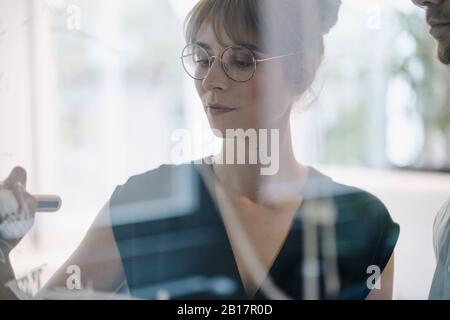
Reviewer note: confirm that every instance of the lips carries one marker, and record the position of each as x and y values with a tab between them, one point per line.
438	24
217	109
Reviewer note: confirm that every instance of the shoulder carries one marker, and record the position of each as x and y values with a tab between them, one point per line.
169	190
368	215
364	225
152	184
350	202
441	242
364	231
441	229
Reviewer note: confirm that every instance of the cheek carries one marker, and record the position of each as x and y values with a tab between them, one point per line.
274	91
252	93
200	89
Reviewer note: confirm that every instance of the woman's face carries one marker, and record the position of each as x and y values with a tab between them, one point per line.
264	102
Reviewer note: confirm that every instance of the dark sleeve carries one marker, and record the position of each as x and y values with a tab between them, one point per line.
147	200
150	184
367	236
384	235
133	199
388	233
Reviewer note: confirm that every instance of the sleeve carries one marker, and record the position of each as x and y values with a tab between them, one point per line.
367	236
384	233
387	234
130	202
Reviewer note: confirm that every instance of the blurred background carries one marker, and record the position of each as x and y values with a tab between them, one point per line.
91	91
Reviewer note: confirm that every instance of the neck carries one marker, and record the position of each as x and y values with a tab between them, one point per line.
253	179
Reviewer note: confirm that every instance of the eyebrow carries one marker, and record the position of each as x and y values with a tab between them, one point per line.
204	45
250	46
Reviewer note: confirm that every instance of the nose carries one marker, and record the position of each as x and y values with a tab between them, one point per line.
427	3
216	79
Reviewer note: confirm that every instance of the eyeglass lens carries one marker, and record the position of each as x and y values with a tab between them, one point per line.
238	63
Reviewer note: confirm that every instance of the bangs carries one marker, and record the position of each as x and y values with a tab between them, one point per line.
237	18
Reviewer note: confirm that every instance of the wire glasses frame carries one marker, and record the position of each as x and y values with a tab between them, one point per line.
238	62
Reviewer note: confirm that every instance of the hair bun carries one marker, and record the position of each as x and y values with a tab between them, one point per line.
329	11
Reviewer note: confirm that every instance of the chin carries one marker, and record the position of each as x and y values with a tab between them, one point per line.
444	52
220	130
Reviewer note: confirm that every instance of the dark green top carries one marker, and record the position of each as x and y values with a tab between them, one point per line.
189	256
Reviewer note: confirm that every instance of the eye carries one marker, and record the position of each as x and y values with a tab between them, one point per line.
240	59
201	59
202	62
242	63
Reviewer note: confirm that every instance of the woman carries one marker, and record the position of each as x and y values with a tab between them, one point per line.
285	233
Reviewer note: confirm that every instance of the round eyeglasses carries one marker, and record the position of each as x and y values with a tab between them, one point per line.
238	62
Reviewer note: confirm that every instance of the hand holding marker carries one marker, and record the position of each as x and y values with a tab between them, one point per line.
18	207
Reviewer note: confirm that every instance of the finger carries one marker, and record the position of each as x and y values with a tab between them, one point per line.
22	199
16	193
31	204
18	174
30	201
